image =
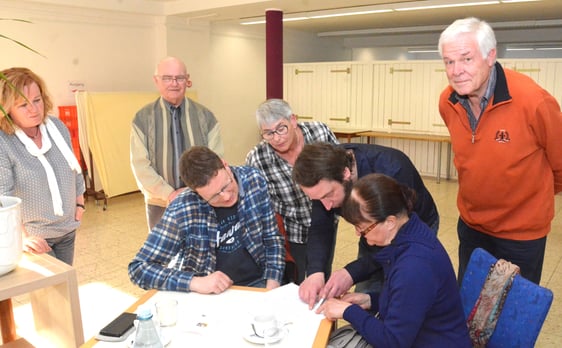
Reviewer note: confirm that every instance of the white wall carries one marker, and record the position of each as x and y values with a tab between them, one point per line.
118	52
299	47
105	51
238	85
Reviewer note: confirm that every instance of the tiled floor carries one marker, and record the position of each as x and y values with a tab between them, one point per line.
107	240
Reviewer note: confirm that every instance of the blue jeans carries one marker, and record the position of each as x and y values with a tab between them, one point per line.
63	247
527	254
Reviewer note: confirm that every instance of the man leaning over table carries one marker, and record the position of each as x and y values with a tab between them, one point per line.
220	231
326	173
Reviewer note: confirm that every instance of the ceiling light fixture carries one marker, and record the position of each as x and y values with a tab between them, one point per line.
423	51
373	9
339	13
534	47
519	49
432	5
514	1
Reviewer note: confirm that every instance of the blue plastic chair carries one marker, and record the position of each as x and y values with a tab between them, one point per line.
524	310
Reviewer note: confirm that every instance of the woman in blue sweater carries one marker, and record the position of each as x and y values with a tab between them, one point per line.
419	304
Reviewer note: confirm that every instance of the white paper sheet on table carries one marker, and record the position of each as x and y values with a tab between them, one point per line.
224	320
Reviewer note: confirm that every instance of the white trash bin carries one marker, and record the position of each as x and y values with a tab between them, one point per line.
11	229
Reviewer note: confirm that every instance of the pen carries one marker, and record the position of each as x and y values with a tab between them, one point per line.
320	302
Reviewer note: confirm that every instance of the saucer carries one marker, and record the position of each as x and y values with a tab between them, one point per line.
252	338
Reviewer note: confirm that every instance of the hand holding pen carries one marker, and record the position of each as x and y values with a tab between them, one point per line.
339	283
319	304
335	307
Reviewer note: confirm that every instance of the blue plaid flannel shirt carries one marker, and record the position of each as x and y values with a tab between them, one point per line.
183	244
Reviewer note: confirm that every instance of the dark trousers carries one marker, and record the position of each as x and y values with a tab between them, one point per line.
298	251
153	215
527	254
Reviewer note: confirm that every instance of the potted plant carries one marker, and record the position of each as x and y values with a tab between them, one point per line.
2	36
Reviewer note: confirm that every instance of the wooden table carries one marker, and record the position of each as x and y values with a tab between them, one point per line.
53	289
347	133
439	139
320	341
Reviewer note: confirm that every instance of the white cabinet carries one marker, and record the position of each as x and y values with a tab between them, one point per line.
361	100
406	95
301	90
380	93
388	95
401	100
435	82
335	94
338	94
546	72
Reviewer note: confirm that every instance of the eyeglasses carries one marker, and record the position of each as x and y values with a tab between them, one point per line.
169	78
222	191
369	229
281	130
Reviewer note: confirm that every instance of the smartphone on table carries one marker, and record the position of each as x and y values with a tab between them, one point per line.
119	329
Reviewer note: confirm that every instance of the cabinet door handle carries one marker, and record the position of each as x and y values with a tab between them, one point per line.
391	122
347	71
299	117
438	125
297	71
526	69
393	70
345	119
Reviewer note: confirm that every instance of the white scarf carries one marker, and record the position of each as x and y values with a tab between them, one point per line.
47	129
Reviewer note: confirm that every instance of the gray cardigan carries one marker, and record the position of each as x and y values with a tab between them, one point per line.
23	176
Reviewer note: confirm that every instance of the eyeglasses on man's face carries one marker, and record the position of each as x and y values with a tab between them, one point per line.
169	78
214	198
368	229
280	130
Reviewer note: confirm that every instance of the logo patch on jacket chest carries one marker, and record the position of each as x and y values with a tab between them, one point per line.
502	136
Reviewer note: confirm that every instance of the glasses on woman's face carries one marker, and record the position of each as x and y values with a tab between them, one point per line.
368	229
280	130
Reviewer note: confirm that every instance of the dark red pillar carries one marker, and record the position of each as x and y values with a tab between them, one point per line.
274	53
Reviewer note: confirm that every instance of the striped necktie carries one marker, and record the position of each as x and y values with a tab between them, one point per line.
177	138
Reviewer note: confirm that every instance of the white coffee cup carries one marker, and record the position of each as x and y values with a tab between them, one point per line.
264	324
167	311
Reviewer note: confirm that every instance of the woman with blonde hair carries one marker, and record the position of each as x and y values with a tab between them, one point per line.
38	166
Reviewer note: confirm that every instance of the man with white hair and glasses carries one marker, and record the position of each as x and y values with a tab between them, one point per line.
162	130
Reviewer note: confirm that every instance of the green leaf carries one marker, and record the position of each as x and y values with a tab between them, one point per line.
16	41
21	44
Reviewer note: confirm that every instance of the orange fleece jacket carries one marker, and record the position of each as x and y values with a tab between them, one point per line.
511	167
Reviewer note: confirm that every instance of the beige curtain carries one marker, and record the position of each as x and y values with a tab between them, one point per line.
104	121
